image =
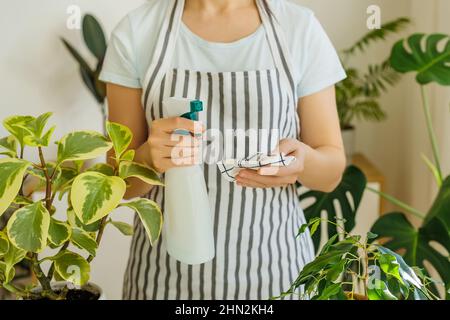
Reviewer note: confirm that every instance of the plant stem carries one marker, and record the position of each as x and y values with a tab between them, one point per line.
51	271
48	184
432	135
399	203
103	224
43	280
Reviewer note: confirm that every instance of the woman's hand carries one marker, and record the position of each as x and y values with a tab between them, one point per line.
168	150
272	177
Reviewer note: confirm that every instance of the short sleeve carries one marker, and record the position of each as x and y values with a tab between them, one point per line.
320	66
119	66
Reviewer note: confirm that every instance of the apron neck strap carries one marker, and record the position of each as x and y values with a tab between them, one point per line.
168	36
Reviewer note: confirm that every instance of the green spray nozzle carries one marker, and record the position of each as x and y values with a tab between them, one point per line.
196	106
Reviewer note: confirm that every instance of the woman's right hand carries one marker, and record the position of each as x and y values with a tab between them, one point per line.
168	149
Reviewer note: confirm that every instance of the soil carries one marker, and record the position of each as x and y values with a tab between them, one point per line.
78	295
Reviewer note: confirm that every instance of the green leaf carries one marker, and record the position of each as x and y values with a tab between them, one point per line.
353	183
11	176
430	64
379	291
150	215
28	227
6	275
400	234
65	178
35	129
94	195
389	28
128	155
89	80
440	209
371	235
120	136
81	61
104	168
4	244
82	145
14	125
10	259
94	36
72	267
59	232
124	228
75	222
330	291
9	144
389	265
131	169
335	271
83	240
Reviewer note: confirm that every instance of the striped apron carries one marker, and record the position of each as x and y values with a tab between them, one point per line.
257	252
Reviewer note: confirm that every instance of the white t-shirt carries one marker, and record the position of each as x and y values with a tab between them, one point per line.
314	59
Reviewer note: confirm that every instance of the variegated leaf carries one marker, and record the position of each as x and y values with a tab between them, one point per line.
125	228
11	258
82	145
4	244
8	146
6	274
72	267
59	232
39	173
83	240
11	176
94	195
120	136
129	169
28	227
65	178
104	168
14	126
128	155
35	136
75	222
150	215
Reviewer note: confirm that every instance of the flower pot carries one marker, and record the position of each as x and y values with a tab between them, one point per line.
348	136
89	291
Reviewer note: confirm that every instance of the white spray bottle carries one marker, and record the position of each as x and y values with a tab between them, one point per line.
188	226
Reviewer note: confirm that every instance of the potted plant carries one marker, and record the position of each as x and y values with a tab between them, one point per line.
396	233
358	95
352	269
95	41
92	194
431	63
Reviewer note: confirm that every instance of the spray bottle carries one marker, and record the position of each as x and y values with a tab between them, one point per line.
188	226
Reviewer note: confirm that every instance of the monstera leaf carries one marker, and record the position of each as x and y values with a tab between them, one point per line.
430	63
415	242
353	185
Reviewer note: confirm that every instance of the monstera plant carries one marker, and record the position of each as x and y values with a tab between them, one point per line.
429	57
70	243
352	185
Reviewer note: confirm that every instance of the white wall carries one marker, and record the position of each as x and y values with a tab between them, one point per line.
38	75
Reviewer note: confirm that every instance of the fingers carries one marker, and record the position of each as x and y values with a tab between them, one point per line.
287	146
292	169
251	178
169	125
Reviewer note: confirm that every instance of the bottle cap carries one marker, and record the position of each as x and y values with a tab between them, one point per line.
196	106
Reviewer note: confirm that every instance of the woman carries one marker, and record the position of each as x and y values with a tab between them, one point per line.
256	65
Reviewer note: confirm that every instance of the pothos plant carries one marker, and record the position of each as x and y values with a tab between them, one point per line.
92	194
343	264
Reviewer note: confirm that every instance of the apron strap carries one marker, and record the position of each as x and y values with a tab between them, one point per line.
165	47
277	44
168	35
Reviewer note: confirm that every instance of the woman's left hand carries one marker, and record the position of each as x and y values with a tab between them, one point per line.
272	177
